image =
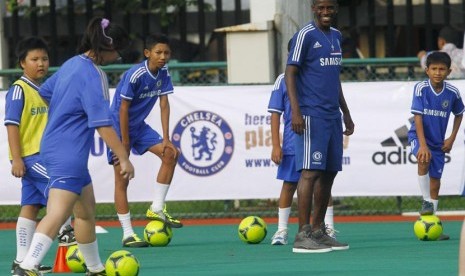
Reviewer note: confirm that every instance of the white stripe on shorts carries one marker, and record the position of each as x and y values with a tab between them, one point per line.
40	170
307	144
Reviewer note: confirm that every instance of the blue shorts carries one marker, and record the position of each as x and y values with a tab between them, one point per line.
141	139
438	159
287	171
320	146
69	183
34	182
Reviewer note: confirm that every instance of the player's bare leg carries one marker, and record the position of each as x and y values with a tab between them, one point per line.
285	202
329	219
169	160
59	207
130	238
84	221
322	194
305	196
424	181
121	191
435	185
462	251
157	210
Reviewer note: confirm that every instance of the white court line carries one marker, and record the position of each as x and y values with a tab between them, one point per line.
100	230
439	213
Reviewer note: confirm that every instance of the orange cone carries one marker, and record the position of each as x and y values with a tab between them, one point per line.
60	265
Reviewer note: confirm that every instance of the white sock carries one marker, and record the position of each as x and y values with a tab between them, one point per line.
125	220
40	245
91	257
25	229
435	204
67	222
283	217
329	217
159	198
423	180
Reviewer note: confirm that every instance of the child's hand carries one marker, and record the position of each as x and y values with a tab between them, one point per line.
423	155
276	155
447	147
18	169
127	169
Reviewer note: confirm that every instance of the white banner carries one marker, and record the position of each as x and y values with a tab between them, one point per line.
224	135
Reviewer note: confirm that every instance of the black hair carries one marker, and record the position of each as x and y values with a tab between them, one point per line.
153	39
29	44
449	34
314	2
438	57
101	35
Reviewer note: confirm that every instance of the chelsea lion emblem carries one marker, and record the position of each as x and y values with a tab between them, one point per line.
206	142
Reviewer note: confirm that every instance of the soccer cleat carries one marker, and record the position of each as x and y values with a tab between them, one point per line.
443	237
321	236
304	243
279	238
164	217
19	271
66	237
331	231
42	268
98	273
427	208
134	241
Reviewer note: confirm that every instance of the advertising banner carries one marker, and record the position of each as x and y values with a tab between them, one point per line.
225	141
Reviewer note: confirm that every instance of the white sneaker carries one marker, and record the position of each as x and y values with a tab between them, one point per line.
331	231
279	238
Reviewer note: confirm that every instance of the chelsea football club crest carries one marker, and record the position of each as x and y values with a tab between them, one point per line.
206	142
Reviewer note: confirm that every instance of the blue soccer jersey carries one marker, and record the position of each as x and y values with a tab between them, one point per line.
79	103
435	109
319	58
142	88
279	103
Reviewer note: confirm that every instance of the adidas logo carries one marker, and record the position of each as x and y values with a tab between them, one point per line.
402	135
401	155
146	87
317	45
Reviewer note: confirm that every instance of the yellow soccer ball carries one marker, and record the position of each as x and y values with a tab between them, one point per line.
252	229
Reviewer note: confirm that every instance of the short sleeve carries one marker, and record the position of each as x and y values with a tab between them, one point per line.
14	105
417	100
95	102
127	88
167	87
46	89
276	103
299	48
458	107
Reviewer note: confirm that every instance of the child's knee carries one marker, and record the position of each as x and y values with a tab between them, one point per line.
170	156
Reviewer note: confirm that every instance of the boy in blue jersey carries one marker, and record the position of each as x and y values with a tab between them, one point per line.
79	101
136	94
25	120
433	102
316	97
284	157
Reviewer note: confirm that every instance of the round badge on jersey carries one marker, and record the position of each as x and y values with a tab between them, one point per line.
206	142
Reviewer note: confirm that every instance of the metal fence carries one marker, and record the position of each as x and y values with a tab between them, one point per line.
215	73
